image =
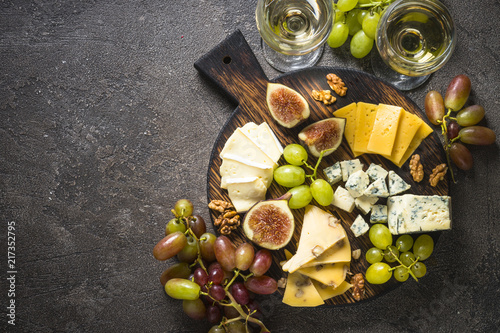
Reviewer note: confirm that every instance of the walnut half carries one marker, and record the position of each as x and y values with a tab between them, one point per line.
228	220
336	84
358	286
324	96
416	168
438	174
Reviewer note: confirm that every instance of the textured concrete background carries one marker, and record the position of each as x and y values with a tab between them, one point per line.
105	124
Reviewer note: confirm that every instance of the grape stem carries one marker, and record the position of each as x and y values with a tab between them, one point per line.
314	175
402	265
198	258
243	315
447	143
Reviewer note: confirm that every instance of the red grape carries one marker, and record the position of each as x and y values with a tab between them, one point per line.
457	93
169	246
217	292
225	253
453	129
434	106
200	276
240	293
261	263
197	225
215	273
194	308
477	135
244	256
262	285
214	314
461	156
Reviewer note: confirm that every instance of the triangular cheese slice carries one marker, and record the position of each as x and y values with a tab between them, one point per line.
328	292
340	252
320	231
264	138
239	145
245	192
300	291
231	169
331	275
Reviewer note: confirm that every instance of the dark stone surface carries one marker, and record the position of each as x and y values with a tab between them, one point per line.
105	124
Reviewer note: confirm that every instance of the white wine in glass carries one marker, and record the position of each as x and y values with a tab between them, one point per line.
415	39
293	31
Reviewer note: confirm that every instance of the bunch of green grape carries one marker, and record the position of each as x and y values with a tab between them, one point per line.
209	275
293	176
405	256
359	19
463	126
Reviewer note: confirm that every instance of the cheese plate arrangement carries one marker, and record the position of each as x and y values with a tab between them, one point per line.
247	156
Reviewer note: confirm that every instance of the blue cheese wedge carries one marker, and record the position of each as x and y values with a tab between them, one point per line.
396	184
379	214
377	189
376	171
357	183
333	173
343	199
359	227
349	167
365	204
410	213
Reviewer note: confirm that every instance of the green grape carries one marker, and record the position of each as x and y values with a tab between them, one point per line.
339	16
178	270
461	156
338	35
364	2
352	21
295	154
370	23
419	269
380	236
423	247
174	225
404	243
346	5
378	273
289	175
190	252
236	327
470	116
194	308
217	329
391	253
183	208
401	274
322	192
407	258
182	289
301	197
374	255
477	135
361	44
361	15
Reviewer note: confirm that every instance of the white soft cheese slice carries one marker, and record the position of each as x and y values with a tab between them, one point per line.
245	192
239	145
320	231
264	138
231	169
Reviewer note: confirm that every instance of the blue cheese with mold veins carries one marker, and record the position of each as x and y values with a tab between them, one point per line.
379	214
333	173
359	227
396	184
377	189
410	213
375	172
349	167
357	183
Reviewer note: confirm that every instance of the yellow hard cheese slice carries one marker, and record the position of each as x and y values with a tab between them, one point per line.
340	252
365	118
349	113
331	275
385	129
320	231
328	292
408	126
239	147
423	131
300	291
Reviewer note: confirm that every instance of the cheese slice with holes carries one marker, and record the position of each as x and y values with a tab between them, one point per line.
239	147
328	292
264	138
349	113
423	131
385	129
365	118
331	275
300	291
320	231
408	126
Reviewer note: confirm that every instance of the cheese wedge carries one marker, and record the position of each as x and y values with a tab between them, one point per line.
423	131
340	252
331	275
349	113
385	129
231	169
365	118
300	291
245	192
239	145
328	292
264	138
408	126
320	231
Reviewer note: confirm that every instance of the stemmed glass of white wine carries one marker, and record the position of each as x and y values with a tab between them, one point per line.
414	38
293	31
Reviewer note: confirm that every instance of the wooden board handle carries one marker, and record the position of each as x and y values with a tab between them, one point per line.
233	67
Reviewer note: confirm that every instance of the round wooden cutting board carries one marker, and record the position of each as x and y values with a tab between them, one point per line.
233	67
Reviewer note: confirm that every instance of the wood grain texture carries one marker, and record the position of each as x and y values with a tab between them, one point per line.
362	87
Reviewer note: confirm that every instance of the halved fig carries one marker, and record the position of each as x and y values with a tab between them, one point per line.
270	223
287	106
323	135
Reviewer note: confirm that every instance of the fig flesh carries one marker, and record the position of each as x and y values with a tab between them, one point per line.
323	135
286	105
270	223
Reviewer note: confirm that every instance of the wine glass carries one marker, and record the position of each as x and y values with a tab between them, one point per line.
293	31
414	39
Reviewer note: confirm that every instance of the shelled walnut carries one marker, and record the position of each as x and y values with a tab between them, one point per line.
438	174
416	168
358	286
324	96
336	84
228	220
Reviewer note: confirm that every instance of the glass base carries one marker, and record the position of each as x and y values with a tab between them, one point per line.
400	81
286	63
